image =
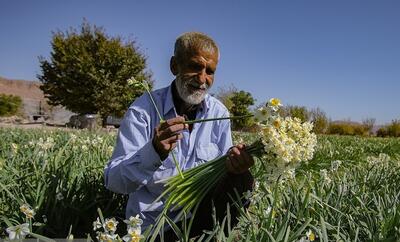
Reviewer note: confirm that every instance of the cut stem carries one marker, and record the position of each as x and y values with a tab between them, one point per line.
146	86
177	165
215	119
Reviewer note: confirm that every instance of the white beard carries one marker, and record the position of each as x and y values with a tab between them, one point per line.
185	93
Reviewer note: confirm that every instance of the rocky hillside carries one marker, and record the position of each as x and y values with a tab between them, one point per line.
33	98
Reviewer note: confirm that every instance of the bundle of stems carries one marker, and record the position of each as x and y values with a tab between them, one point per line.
185	193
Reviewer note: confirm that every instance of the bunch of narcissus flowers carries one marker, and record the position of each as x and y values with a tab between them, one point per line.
283	143
287	141
109	225
20	231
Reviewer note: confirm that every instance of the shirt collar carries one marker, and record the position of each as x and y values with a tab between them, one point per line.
169	102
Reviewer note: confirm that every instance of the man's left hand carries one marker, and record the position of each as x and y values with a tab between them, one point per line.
238	160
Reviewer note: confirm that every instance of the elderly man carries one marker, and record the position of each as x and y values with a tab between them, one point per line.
142	156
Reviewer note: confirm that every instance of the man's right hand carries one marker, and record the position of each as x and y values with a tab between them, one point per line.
167	135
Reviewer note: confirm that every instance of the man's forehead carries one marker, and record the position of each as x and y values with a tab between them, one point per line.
202	55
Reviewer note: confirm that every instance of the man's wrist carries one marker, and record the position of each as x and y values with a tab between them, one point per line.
162	156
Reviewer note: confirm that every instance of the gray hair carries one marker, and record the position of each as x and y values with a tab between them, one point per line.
194	40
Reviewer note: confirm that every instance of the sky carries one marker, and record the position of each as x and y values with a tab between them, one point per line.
342	56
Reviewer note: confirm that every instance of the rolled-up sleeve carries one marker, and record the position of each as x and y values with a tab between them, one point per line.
134	159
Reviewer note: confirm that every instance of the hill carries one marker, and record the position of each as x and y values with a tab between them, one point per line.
33	99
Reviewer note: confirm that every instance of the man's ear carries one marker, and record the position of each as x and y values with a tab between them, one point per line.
173	65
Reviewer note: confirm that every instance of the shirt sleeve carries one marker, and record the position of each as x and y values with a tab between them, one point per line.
225	134
134	159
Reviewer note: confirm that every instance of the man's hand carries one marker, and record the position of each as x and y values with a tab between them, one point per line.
238	160
167	134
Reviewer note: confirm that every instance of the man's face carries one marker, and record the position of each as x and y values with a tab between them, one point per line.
195	75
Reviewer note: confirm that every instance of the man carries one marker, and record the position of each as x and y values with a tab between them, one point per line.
142	158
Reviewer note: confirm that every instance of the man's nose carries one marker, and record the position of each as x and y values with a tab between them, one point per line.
202	77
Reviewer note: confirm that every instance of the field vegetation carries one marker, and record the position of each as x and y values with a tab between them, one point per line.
349	191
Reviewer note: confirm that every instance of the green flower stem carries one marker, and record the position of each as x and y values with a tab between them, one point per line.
215	119
144	84
177	165
186	193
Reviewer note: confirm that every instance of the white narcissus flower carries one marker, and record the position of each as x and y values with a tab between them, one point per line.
335	165
59	196
268	210
105	237
274	104
134	224
290	174
310	235
27	210
134	221
18	231
132	237
110	225
262	114
324	175
97	224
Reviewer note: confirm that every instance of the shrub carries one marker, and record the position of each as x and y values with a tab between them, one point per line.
241	101
9	104
391	130
320	120
347	128
294	111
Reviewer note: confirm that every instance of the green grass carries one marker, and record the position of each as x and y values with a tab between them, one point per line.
64	184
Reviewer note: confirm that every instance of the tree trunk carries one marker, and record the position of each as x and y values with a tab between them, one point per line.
103	121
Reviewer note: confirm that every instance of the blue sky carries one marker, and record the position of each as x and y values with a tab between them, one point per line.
341	56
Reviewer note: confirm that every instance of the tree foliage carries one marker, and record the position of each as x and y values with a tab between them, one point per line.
368	125
9	104
320	120
347	128
241	101
224	94
295	111
88	71
391	130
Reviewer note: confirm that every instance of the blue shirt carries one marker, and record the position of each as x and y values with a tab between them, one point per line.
135	167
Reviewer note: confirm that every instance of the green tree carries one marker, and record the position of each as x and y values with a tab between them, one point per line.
320	120
390	130
88	71
368	125
241	101
224	94
295	111
9	104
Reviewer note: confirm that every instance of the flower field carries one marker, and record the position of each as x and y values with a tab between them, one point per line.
349	191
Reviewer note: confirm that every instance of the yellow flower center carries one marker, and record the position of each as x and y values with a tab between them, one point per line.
135	237
277	123
311	236
110	225
275	101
